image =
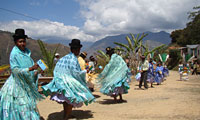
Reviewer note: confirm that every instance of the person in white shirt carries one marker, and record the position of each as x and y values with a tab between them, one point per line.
91	64
57	56
144	66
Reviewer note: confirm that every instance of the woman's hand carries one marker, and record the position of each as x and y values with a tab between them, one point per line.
34	67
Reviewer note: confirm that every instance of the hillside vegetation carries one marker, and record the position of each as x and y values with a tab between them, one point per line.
7	43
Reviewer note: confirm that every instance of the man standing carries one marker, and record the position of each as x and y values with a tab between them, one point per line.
144	66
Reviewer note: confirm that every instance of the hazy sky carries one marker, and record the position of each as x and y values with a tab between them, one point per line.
90	20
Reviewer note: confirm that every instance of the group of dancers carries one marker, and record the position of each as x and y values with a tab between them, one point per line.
19	95
151	72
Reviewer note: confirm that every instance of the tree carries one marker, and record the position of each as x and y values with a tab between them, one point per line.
157	50
48	56
190	34
133	50
175	35
175	57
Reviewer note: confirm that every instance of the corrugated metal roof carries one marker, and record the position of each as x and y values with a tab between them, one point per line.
192	46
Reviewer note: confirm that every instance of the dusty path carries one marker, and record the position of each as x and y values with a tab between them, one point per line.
173	100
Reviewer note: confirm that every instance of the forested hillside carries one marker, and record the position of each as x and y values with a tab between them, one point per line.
7	43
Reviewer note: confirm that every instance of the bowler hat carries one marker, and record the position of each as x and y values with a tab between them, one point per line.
20	33
109	50
76	43
84	54
92	58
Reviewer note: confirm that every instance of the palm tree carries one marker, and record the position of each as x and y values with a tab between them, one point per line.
103	56
102	59
48	56
147	52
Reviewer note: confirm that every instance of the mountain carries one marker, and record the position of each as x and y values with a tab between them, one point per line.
7	43
66	42
152	39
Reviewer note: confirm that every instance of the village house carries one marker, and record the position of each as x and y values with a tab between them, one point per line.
190	52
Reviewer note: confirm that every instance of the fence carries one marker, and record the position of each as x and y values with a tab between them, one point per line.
40	79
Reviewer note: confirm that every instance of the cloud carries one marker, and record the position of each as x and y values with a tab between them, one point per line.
118	16
110	17
45	28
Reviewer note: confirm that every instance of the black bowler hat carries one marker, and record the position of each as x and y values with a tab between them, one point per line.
110	50
76	43
20	33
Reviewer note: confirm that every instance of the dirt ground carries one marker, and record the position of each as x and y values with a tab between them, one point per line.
173	100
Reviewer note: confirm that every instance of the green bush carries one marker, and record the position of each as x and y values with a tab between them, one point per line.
175	57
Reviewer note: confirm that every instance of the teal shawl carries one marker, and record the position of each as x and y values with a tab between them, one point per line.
69	82
19	93
114	75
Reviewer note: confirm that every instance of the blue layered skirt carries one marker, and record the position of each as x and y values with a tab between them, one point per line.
116	87
150	77
68	89
159	78
18	101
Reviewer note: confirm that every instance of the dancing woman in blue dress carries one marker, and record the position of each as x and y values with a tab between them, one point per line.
151	76
159	74
19	95
68	85
113	79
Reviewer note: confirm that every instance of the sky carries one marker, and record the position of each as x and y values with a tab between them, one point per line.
91	20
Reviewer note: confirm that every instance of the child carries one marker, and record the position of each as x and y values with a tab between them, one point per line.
185	72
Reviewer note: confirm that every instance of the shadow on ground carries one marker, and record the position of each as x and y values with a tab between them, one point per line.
111	101
78	114
96	96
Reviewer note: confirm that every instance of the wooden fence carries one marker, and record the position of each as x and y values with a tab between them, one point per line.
40	79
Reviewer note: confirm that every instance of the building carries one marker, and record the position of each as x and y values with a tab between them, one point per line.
194	50
190	52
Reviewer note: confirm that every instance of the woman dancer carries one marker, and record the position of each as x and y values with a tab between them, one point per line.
19	94
113	78
68	85
159	74
150	76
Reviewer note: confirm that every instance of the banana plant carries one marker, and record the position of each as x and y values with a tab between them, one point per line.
133	49
48	56
103	56
156	49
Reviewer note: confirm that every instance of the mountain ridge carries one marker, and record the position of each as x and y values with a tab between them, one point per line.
153	40
7	43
